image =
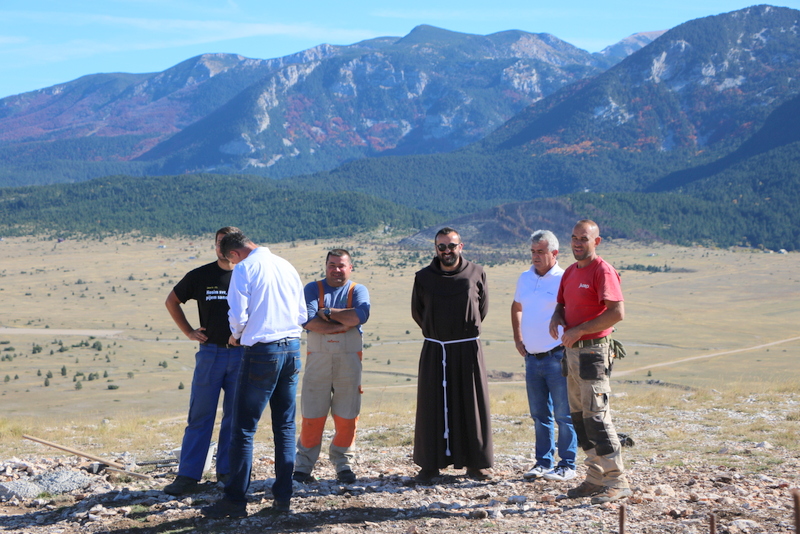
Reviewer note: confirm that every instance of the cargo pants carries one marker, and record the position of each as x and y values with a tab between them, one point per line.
589	390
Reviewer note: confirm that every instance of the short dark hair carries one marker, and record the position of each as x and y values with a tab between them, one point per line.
225	230
339	253
446	230
233	241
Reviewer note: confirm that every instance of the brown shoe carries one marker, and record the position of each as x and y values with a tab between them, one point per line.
426	475
478	474
611	495
586	489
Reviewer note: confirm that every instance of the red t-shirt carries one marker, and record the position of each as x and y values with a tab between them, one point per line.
583	293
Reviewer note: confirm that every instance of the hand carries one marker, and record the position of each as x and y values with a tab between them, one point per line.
521	348
198	335
555	322
232	341
570	337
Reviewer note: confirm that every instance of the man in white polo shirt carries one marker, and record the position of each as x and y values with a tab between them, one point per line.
534	302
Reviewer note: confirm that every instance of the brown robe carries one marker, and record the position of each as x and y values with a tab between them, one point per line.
451	306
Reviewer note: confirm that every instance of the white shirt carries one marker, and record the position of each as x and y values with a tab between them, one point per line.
537	295
266	299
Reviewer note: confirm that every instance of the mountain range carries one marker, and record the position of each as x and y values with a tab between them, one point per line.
691	138
431	91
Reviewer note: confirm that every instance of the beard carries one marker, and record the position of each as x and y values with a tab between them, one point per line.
449	260
580	256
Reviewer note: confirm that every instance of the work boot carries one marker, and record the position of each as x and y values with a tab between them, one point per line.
303	478
611	495
346	476
225	508
586	489
181	485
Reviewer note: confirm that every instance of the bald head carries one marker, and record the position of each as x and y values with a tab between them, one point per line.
585	238
590	226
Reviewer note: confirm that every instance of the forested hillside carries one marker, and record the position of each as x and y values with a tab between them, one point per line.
195	205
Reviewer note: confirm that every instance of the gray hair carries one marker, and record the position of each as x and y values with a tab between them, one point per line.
545	235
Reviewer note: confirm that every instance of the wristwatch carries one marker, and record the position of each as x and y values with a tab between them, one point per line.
327	312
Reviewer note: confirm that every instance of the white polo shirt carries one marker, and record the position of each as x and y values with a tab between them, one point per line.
537	295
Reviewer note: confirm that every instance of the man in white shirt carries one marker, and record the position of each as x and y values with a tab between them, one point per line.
534	302
267	307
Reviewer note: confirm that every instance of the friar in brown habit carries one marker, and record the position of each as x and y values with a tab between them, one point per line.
453	425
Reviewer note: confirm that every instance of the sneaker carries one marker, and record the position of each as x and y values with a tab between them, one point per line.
611	495
181	485
585	489
303	478
560	473
225	508
537	472
425	476
479	474
346	476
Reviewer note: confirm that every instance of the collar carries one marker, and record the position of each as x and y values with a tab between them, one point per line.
554	270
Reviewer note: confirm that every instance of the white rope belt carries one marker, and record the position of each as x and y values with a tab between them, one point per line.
444	383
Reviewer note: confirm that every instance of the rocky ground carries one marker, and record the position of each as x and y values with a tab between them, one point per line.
60	495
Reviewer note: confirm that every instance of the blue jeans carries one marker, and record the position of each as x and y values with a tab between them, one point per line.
216	369
547	397
269	373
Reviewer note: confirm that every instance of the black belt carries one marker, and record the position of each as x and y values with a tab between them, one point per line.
283	341
540	355
221	345
590	342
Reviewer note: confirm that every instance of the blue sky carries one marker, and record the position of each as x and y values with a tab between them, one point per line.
46	42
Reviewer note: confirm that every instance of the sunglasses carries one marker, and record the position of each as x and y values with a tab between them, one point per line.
442	247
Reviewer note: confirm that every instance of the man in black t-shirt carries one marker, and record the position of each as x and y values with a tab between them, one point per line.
216	367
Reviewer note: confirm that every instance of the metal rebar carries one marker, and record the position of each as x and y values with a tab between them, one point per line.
622	519
712	519
796	497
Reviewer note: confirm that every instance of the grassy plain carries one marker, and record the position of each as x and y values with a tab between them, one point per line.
727	323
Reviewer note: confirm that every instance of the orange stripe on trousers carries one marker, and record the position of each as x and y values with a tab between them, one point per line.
311	431
345	435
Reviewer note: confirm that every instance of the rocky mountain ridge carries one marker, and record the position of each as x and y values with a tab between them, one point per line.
429	91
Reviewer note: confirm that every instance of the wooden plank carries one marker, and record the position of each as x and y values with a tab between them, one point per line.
75	452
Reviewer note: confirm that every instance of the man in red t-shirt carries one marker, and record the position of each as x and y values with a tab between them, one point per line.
589	305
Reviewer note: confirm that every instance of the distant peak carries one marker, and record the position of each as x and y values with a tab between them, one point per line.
426	33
